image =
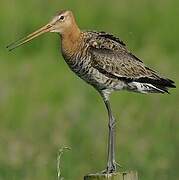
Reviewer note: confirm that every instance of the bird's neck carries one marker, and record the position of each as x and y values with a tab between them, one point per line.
70	40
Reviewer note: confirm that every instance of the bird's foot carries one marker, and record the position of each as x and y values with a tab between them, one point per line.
111	168
118	165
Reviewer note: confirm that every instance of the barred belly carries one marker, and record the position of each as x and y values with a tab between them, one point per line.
92	76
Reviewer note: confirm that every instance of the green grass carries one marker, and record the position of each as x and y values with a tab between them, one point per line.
43	106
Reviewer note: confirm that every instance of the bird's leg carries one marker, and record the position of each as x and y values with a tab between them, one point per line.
111	164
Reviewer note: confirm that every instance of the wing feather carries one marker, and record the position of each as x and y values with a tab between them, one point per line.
110	56
119	64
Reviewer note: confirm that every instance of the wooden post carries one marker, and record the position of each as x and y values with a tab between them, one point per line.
130	175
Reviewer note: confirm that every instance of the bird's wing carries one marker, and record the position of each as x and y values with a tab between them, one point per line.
112	58
104	36
105	40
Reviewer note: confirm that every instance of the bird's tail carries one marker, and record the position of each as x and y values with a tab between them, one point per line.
149	85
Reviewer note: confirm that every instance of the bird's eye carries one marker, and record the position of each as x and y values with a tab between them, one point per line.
62	18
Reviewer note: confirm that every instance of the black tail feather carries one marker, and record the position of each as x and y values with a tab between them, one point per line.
162	84
163	88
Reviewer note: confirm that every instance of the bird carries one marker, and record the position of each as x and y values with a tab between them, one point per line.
103	61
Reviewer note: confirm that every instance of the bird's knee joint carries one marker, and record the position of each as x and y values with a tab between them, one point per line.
112	124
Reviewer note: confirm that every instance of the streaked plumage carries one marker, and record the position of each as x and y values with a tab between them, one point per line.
103	61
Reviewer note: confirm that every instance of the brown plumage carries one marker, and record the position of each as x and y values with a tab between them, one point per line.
103	61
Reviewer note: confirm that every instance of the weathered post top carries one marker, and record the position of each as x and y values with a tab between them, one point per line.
129	175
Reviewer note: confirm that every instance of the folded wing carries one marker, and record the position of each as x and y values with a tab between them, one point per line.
115	61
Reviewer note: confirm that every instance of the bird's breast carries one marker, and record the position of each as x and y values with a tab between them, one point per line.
78	64
82	67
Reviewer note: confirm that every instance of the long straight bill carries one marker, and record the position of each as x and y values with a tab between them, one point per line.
28	38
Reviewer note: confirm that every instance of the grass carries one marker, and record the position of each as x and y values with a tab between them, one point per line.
43	106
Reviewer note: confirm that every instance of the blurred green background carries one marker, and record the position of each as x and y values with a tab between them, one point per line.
44	106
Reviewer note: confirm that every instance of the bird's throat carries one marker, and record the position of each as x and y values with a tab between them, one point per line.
70	40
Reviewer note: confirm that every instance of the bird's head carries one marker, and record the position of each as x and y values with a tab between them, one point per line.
63	22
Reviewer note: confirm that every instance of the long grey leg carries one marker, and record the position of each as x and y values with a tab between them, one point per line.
111	164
